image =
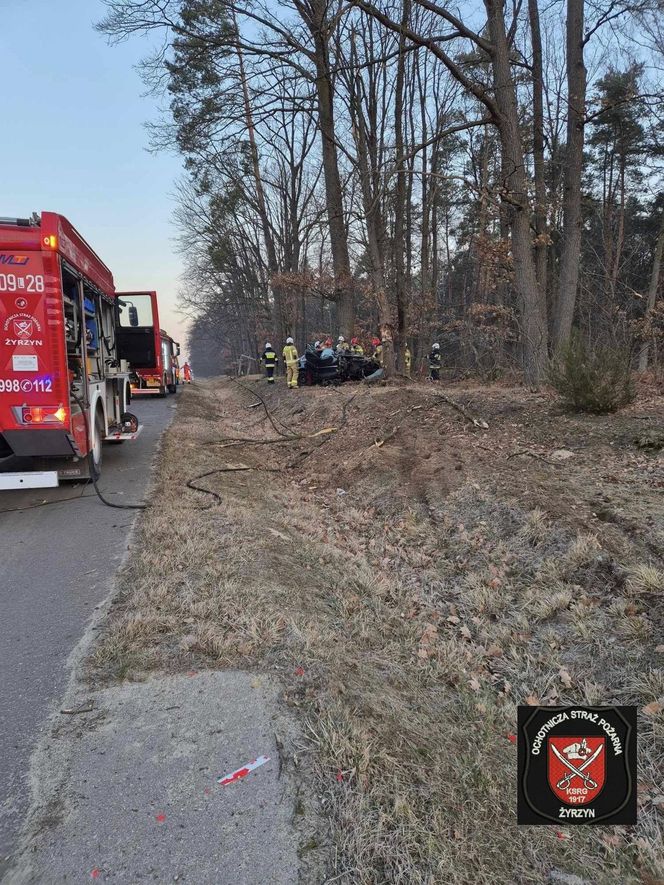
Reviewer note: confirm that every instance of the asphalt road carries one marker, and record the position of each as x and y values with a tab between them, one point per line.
56	565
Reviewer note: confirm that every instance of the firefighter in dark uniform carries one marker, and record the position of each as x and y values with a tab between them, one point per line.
269	360
435	362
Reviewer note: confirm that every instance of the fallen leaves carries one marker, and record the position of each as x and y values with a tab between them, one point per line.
612	840
565	677
561	455
427	640
654	708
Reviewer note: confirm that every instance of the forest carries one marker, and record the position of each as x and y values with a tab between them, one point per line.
487	176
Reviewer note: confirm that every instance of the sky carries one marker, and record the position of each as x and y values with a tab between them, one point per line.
73	141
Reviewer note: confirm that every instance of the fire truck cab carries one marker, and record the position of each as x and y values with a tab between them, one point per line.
64	390
152	352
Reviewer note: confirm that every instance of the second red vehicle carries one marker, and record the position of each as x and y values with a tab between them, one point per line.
151	352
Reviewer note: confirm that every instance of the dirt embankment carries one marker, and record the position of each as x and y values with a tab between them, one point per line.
411	578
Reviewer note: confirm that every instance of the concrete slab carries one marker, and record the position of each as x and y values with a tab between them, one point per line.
127	793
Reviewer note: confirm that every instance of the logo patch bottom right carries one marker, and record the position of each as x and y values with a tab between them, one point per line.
577	765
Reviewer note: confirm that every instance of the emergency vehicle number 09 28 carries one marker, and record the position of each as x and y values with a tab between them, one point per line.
9	282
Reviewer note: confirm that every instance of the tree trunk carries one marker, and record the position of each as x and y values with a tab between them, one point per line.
652	290
620	233
375	233
427	189
531	301
572	220
399	197
541	232
483	270
273	267
343	282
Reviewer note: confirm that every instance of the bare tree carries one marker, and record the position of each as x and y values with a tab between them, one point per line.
572	220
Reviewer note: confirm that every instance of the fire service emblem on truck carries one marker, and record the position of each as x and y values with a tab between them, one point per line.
577	765
23	327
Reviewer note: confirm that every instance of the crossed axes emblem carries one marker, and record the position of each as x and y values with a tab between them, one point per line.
576	771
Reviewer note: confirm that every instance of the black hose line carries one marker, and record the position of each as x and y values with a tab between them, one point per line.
271	418
231	442
92	466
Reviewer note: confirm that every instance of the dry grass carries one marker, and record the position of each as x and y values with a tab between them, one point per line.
407	620
646	579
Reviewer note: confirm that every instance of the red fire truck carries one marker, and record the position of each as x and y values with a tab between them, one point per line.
153	354
64	384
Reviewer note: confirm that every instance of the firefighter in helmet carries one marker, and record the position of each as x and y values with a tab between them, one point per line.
291	359
435	362
356	347
342	344
269	360
378	350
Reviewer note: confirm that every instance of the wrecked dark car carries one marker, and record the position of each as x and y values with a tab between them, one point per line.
334	368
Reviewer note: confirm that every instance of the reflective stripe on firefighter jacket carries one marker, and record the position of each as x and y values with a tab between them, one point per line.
290	354
269	357
435	359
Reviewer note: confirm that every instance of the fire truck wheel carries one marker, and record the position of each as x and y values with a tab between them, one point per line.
96	452
172	388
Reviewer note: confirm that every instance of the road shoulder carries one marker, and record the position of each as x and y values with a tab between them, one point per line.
128	791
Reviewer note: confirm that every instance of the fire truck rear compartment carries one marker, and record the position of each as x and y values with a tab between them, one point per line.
37	443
